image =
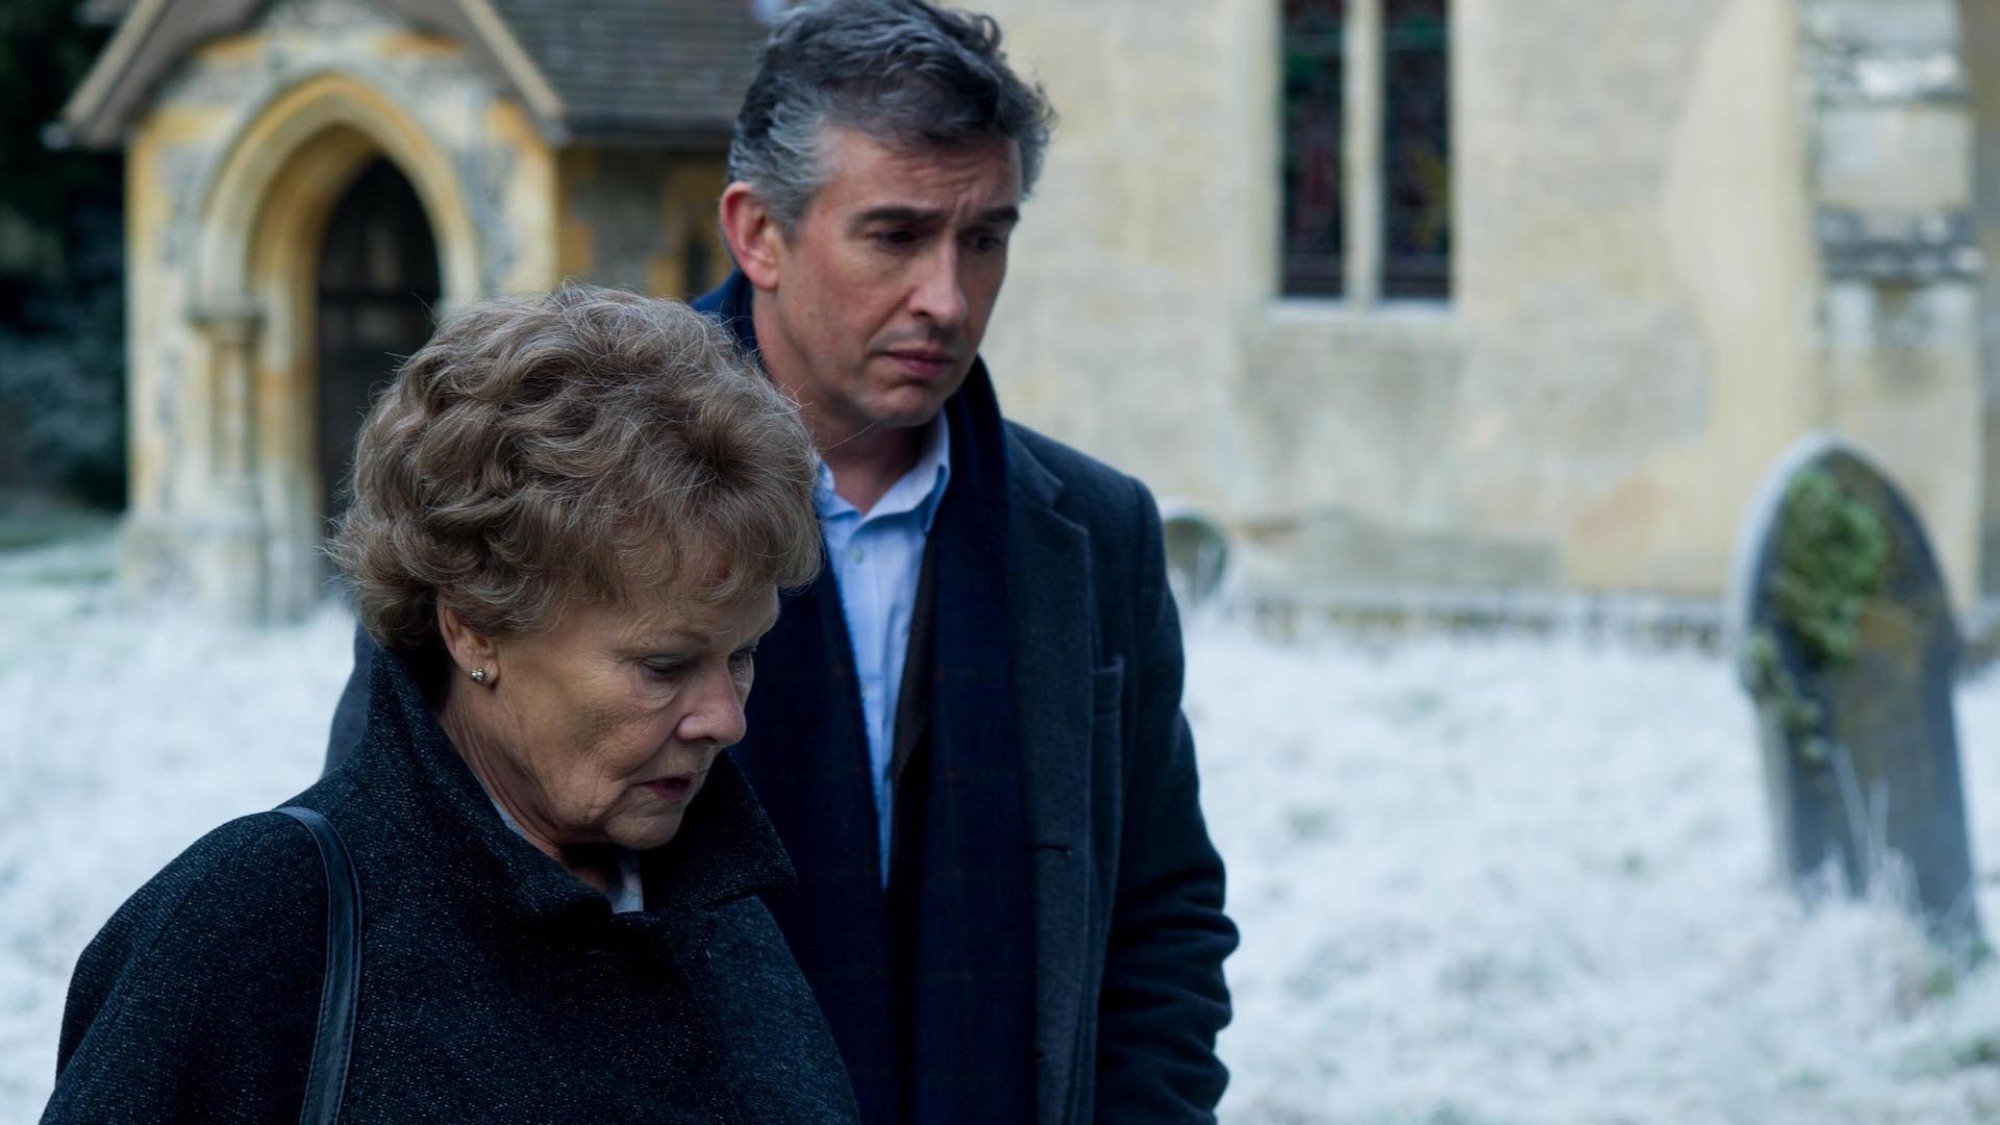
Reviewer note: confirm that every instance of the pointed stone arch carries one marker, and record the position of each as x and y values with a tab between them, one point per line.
261	225
294	158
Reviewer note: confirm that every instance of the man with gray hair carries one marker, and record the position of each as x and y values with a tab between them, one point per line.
968	730
976	710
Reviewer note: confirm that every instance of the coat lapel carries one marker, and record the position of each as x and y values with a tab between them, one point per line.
1053	635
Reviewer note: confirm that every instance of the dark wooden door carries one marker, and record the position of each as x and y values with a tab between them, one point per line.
378	281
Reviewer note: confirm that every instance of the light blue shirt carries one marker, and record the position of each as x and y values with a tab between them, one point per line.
876	560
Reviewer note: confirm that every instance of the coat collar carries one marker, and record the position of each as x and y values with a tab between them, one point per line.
1030	478
725	850
729	303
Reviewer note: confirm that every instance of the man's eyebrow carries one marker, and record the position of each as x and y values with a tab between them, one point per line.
894	213
898	213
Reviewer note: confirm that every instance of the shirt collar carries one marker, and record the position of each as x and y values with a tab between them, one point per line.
920	490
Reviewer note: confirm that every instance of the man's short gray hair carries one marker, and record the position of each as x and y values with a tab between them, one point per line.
902	71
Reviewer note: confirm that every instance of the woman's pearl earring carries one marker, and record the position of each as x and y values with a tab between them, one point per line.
478	675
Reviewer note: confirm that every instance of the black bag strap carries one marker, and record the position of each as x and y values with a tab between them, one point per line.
333	1042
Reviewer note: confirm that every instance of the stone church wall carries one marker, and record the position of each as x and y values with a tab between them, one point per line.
1636	331
1683	234
1897	315
1982	54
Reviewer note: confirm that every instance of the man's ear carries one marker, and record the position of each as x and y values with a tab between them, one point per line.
473	654
753	234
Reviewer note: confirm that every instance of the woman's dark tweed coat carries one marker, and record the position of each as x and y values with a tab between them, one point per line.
495	986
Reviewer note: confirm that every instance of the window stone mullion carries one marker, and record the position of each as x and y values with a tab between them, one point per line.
1363	171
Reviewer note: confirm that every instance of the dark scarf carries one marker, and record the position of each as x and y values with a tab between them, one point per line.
928	988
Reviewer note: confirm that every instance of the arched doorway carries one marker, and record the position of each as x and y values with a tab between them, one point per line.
378	282
299	175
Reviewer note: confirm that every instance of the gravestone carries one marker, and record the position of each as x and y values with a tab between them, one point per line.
1847	644
1197	553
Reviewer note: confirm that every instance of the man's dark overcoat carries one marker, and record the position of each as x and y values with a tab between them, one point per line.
495	986
1126	889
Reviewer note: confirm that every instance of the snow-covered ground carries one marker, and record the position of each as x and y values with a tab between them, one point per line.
1479	882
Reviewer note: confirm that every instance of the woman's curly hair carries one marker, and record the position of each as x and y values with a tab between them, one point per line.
587	444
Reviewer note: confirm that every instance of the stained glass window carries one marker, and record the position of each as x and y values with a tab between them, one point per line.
1314	158
1416	150
1406	253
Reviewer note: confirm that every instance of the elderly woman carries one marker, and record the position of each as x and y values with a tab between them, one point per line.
571	520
